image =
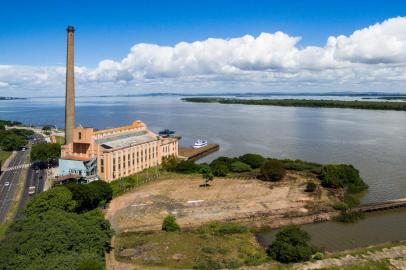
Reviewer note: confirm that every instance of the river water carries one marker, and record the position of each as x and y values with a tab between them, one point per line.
373	141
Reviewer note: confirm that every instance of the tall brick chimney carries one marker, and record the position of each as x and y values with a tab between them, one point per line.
70	89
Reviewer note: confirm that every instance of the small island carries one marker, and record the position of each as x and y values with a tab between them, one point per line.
343	104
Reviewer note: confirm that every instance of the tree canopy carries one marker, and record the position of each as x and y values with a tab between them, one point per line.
254	160
46	152
52	235
272	170
291	245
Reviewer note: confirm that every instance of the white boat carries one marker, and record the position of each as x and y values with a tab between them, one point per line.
199	144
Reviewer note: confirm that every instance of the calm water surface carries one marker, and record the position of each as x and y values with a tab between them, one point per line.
373	141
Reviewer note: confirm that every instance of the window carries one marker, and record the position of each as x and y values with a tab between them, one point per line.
102	165
80	135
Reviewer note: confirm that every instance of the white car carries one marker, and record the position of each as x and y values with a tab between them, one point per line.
6	184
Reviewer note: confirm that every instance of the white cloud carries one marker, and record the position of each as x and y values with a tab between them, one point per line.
373	58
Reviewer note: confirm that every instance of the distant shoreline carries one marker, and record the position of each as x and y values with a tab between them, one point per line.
365	105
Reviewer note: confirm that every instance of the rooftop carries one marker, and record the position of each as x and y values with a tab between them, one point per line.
127	139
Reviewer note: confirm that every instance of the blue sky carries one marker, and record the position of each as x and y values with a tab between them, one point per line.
269	45
33	31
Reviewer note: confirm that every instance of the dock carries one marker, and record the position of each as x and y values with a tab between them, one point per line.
380	206
194	154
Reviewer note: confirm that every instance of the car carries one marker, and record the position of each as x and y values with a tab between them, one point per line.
6	184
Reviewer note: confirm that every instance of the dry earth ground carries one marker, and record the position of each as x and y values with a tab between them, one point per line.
226	199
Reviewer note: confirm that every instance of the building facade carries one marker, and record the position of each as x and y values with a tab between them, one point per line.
114	153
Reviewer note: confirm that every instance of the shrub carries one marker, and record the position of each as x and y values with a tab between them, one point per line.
186	166
238	166
169	163
342	176
340	206
253	160
45	152
272	170
291	245
219	169
350	217
169	224
318	256
300	165
310	187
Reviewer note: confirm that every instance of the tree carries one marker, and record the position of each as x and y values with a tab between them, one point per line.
55	198
89	196
342	176
254	160
169	224
46	152
207	176
219	169
272	170
11	141
186	166
238	166
291	245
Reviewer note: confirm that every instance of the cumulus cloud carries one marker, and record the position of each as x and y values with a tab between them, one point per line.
371	57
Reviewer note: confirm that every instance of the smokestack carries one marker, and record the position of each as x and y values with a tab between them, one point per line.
70	89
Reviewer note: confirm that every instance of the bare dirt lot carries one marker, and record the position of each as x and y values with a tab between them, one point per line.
226	199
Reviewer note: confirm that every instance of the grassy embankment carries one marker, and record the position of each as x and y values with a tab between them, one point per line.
4	155
213	246
366	105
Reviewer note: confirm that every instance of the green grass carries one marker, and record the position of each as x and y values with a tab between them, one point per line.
201	249
4	155
376	265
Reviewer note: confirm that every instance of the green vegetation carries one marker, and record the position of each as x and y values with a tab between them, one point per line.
4	156
348	216
238	167
90	196
169	224
52	235
368	105
272	170
213	246
46	153
291	245
253	160
13	139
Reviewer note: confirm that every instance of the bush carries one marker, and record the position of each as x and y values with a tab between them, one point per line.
219	169
291	245
253	160
169	163
169	224
186	166
238	166
340	206
272	170
342	176
318	256
310	187
350	217
300	165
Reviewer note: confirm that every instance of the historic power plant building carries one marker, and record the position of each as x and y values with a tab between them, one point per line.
107	154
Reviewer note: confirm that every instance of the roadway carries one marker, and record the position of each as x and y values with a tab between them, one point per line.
35	177
7	192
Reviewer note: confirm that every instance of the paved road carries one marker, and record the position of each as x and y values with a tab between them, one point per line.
7	192
34	178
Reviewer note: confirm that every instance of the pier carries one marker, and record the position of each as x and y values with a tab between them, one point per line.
385	205
194	154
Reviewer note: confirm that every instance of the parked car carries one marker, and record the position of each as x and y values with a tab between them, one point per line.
6	184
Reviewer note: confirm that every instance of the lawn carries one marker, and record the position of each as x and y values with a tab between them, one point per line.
4	155
202	249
